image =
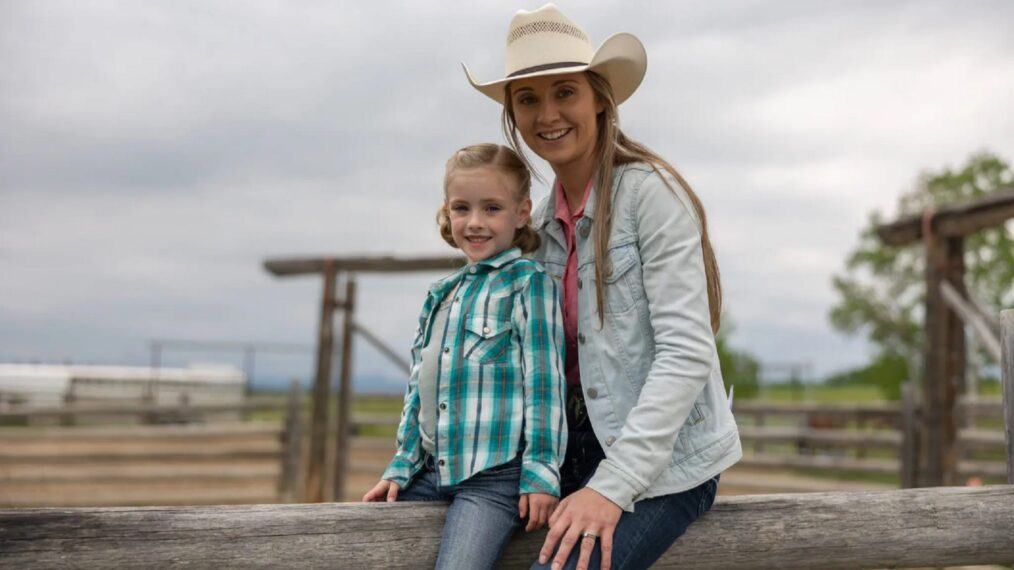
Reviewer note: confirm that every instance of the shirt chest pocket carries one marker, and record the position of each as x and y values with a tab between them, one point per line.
486	340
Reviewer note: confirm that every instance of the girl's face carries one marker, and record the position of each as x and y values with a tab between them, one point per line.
556	116
484	211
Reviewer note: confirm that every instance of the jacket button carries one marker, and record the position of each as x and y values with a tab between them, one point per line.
593	393
609	441
585	230
580	337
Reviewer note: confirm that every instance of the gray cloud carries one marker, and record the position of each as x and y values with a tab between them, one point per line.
154	154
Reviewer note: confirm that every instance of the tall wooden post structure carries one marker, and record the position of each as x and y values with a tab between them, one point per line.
944	351
330	268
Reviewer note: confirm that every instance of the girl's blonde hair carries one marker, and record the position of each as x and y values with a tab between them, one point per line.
613	148
515	172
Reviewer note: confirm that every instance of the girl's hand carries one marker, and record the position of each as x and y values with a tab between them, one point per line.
537	507
384	488
586	511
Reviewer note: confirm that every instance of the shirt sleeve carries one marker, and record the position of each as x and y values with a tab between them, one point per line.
539	324
675	284
408	457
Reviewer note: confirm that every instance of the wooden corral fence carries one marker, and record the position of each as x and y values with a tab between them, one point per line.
854	530
177	460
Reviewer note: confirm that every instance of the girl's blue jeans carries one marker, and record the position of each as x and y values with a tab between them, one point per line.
481	518
640	537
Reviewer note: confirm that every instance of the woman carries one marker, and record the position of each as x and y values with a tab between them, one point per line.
650	430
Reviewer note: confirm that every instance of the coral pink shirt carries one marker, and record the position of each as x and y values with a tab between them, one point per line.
568	221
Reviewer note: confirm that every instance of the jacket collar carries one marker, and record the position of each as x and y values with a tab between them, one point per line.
547	211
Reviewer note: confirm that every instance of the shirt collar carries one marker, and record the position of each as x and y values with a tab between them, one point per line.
561	207
440	288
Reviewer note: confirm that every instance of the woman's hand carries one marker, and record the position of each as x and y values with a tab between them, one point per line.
537	507
384	488
586	511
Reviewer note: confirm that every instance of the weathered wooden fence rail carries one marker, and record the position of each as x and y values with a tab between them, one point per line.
897	529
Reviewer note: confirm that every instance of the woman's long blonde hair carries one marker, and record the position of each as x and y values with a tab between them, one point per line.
612	149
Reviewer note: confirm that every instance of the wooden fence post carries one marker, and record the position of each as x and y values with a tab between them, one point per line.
943	363
288	483
1007	378
315	488
909	435
341	456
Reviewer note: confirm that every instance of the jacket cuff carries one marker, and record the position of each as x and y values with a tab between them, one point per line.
613	484
537	477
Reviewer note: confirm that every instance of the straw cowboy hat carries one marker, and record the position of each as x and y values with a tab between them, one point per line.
545	42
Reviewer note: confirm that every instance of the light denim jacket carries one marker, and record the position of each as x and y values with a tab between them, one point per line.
651	378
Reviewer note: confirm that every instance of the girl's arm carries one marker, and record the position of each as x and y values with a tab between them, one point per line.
539	324
408	457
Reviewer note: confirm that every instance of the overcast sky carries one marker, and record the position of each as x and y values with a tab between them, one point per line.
153	154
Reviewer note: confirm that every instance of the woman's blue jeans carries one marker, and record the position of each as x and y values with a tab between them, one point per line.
640	537
481	518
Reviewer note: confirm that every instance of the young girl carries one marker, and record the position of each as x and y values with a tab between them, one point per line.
483	424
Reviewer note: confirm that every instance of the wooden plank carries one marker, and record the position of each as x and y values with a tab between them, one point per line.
954	220
290	266
881	410
824	462
142	432
825	437
838	530
238	453
972	318
1007	375
139	409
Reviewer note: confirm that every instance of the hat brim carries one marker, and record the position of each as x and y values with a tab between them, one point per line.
621	59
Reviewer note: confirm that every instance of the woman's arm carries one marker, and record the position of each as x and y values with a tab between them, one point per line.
675	285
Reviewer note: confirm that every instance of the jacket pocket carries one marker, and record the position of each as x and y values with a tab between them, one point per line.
622	278
486	340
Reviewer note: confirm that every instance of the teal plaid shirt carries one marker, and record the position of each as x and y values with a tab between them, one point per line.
500	384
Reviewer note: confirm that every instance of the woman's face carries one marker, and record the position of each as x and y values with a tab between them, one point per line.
556	116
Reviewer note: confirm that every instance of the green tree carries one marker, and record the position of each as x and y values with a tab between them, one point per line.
739	368
881	291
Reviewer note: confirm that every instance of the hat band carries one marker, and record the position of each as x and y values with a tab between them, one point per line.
546	66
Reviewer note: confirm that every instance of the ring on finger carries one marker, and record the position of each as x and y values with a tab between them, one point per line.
590	535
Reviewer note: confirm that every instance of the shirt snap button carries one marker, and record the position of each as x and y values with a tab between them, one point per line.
443	406
609	441
447	349
471	269
485	330
440	463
